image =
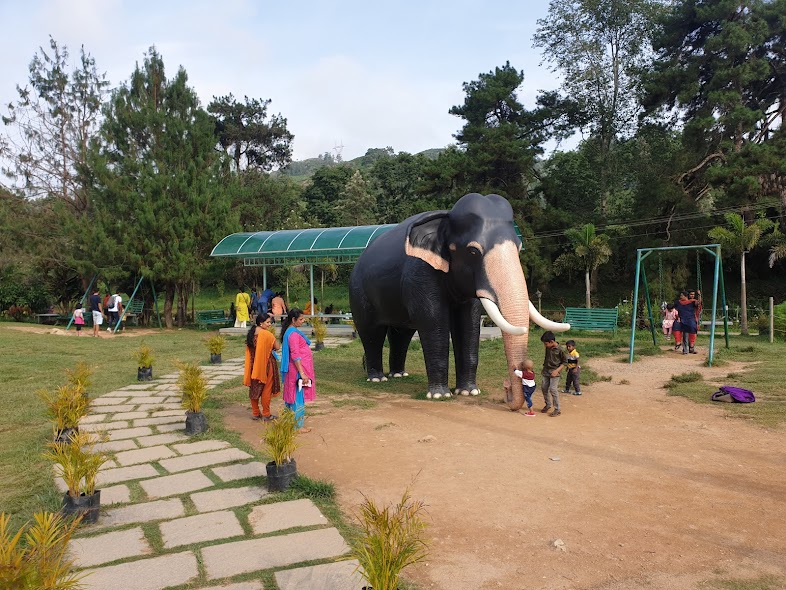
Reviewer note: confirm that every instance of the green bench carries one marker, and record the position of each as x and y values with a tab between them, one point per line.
211	317
598	319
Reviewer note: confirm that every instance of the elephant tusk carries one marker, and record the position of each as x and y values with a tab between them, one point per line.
496	316
544	323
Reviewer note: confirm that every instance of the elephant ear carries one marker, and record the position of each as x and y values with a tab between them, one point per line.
425	241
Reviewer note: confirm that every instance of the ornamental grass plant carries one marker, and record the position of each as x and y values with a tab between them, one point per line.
280	439
35	556
320	328
77	462
391	539
144	356
216	344
193	386
65	406
80	375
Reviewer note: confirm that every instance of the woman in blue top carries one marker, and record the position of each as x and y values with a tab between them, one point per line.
687	323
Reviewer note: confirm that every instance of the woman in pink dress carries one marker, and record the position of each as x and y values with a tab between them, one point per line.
297	366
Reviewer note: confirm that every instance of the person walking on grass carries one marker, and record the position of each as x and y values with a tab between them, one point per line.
574	369
554	362
242	305
261	374
97	311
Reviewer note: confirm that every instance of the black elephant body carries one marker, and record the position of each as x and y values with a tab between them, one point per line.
429	274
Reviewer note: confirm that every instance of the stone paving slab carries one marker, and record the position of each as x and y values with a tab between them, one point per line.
227	498
146	455
160	439
239	586
109	401
138	386
230	559
179	412
104	426
126	407
285	515
202	527
143	512
173	400
167	405
159	399
129	433
119	494
203	460
114	447
115	475
242	471
93	418
145	574
165	387
340	575
90	551
161	420
171	485
129	415
201	446
179	427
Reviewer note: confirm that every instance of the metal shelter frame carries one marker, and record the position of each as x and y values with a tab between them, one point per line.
641	277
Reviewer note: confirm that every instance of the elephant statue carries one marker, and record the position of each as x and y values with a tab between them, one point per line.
433	273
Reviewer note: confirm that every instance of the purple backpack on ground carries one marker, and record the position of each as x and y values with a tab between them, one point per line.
738	395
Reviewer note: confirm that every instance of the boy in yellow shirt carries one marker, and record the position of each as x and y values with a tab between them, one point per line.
574	369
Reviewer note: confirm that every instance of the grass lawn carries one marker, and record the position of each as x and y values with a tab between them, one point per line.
34	361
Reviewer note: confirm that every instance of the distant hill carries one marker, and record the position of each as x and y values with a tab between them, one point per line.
303	169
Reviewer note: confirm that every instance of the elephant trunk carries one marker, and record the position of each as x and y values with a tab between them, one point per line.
508	290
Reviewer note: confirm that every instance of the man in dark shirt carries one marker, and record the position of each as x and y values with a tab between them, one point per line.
555	361
97	311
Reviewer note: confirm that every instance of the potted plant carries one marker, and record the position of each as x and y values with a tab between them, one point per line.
65	407
78	464
193	387
36	557
216	346
144	359
280	441
320	331
391	538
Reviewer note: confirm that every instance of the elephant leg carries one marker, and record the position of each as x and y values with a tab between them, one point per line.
465	333
399	339
436	353
373	339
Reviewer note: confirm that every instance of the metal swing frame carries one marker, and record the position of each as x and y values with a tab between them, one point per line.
641	277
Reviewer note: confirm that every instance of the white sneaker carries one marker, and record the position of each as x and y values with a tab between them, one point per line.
109	329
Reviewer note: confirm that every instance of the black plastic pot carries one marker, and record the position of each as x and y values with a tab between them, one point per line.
280	476
196	423
64	436
319	346
144	374
215	359
86	506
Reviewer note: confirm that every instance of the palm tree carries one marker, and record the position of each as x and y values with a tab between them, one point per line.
738	239
586	250
778	247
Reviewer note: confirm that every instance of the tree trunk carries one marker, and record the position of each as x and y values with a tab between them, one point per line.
182	304
587	286
169	299
743	298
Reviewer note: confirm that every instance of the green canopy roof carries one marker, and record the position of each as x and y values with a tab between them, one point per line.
336	245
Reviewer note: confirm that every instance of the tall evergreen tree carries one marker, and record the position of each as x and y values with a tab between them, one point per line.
159	205
250	138
356	205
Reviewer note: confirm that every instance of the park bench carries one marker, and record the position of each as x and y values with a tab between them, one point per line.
597	319
211	317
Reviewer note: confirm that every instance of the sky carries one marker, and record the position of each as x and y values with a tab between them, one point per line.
357	74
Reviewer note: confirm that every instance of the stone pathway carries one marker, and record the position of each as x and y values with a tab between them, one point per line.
195	514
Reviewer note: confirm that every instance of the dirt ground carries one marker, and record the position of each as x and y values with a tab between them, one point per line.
86	332
629	488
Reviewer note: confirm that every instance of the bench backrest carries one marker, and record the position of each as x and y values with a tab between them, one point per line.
581	318
210	314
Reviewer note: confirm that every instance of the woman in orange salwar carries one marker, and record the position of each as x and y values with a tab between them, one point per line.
261	369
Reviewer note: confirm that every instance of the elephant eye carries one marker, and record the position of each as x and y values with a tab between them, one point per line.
473	251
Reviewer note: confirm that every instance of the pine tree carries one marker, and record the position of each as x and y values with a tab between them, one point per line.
159	201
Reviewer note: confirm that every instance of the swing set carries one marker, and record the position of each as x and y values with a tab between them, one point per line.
132	306
713	250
